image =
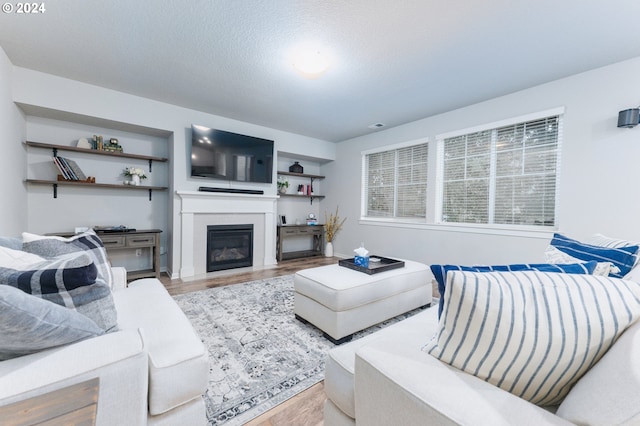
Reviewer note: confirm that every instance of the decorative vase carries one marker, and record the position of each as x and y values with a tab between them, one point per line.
328	249
296	168
135	180
282	190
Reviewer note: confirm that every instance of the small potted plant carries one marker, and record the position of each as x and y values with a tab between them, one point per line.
283	184
333	225
136	174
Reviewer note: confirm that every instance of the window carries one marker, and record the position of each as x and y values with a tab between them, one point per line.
395	183
505	175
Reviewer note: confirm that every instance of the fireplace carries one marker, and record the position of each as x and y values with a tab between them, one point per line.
229	246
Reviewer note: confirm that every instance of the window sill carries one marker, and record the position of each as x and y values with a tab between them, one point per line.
528	232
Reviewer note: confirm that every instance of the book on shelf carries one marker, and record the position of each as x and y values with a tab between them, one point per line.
61	167
69	169
76	170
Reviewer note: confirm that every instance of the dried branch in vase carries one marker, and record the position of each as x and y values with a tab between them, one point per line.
333	224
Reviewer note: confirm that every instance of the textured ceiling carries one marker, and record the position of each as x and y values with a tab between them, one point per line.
393	61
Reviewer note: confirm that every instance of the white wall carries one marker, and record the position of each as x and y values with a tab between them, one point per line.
13	158
599	174
57	94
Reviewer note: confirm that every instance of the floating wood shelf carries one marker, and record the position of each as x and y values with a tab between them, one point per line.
55	184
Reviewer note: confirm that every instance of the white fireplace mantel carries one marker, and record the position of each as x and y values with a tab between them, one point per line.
195	202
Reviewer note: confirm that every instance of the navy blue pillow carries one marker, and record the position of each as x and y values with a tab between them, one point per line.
440	272
622	257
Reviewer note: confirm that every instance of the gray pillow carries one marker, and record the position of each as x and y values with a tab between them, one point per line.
29	324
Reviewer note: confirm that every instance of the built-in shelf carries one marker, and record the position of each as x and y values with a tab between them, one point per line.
304	176
302	196
56	183
68	148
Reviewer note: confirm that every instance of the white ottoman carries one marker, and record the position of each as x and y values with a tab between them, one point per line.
340	301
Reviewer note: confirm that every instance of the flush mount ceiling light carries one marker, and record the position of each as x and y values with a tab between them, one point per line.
376	125
310	62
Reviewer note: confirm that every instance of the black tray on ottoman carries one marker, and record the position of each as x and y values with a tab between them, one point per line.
385	264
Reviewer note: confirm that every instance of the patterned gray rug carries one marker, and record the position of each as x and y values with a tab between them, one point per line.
260	354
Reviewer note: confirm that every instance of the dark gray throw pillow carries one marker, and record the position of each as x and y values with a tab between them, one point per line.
29	324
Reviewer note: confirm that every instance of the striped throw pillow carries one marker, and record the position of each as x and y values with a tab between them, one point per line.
624	258
533	334
440	271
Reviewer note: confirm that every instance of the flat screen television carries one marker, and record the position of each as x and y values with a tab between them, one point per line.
218	154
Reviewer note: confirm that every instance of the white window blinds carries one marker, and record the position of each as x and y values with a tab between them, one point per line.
395	183
507	175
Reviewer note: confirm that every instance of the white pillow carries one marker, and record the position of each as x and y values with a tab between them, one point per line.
533	334
555	256
18	259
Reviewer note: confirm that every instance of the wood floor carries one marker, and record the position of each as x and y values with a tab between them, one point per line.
304	409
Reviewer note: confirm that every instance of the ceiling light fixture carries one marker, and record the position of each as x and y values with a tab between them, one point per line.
376	126
310	62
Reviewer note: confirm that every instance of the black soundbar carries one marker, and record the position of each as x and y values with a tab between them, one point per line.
231	190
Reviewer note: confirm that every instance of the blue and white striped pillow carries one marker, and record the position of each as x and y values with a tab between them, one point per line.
533	334
624	258
440	272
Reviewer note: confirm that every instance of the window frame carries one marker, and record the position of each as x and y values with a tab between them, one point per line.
439	181
364	179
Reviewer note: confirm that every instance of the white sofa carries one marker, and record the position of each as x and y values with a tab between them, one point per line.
388	378
153	370
385	378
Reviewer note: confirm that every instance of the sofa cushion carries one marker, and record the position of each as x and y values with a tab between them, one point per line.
440	272
68	280
29	324
555	256
98	300
608	393
87	242
624	258
408	334
178	361
533	334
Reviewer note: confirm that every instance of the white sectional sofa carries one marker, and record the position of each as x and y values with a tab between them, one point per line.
390	378
152	370
386	378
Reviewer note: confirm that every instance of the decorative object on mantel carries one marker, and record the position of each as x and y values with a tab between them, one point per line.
332	225
283	184
296	168
136	174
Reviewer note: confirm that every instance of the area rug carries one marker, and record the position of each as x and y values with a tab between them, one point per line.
260	354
